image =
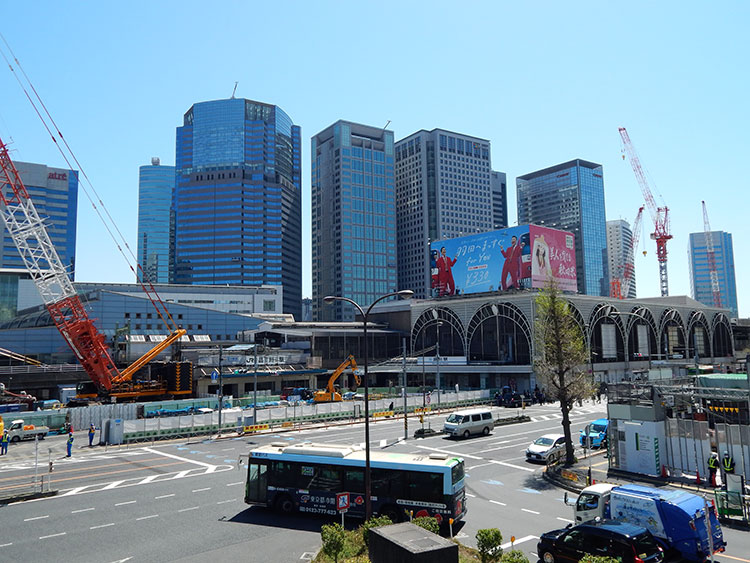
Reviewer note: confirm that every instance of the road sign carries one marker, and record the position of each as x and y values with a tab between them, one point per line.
214	375
342	501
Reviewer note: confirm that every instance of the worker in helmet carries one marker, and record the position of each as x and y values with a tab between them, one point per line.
713	466
728	463
4	439
70	443
92	430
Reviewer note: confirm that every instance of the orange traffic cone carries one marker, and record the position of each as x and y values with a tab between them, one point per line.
664	472
697	477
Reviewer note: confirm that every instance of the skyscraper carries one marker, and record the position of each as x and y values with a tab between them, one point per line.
54	192
353	218
155	188
444	189
620	253
499	200
570	197
700	272
237	201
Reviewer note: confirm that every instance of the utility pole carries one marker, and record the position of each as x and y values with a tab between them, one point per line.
406	423
221	389
255	384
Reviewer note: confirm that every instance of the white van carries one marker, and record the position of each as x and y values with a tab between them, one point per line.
468	422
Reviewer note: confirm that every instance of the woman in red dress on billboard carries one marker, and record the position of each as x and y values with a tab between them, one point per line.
445	274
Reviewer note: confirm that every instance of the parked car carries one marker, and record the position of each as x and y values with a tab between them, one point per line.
626	542
468	422
597	434
547	448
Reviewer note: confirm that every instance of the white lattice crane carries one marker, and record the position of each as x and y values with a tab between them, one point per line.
714	274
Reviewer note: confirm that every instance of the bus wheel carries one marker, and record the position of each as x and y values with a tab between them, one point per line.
284	504
392	513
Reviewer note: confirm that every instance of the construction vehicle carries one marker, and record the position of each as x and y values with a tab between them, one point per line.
29	233
331	394
18	431
22	398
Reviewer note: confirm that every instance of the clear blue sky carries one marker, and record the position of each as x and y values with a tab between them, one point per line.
545	82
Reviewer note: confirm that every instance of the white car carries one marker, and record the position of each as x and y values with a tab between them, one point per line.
547	448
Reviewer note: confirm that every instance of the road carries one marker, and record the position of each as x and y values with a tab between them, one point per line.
181	501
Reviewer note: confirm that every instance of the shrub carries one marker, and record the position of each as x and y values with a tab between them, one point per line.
374	522
598	559
514	556
429	523
488	544
333	540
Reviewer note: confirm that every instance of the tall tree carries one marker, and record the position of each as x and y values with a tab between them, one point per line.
560	356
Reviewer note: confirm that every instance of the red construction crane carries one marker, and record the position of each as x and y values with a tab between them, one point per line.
659	215
715	289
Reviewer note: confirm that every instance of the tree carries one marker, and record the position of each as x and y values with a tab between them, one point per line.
333	538
560	351
429	523
514	556
373	522
489	542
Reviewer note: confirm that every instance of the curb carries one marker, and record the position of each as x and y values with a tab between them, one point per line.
27	496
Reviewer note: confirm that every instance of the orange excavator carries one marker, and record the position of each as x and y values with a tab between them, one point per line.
330	394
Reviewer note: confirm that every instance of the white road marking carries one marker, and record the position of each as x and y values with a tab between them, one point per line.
227	450
122	560
565	520
470	495
530	511
201	490
147	517
520	540
52	535
126	502
82	510
498	502
226	501
102	526
186	460
35	518
480	465
233	484
6	544
164	496
113	485
191	508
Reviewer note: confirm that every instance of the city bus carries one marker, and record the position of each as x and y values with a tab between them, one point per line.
306	477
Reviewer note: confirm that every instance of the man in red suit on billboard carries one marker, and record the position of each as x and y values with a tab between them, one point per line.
445	274
512	265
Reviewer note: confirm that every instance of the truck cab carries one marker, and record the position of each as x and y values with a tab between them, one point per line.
593	502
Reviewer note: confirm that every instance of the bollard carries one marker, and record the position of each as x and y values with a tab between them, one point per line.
450	525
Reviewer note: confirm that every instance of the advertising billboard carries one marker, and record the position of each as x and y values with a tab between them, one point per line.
521	257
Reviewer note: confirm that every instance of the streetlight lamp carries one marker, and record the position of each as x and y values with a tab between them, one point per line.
328	300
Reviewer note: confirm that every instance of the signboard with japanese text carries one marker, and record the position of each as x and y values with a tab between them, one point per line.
520	257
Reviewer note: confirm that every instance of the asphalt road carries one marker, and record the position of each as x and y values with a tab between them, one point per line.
182	501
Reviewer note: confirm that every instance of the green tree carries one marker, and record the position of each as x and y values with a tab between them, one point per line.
333	537
489	541
374	522
429	523
560	352
514	556
598	559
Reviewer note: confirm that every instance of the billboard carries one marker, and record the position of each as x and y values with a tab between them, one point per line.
521	257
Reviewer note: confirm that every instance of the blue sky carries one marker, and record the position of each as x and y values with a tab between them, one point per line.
545	82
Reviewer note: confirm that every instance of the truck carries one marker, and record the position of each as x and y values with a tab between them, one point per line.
677	519
18	431
331	394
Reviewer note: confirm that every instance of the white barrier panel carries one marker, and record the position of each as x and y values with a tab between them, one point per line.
278	413
307	410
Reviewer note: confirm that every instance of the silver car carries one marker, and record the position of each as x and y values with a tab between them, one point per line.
547	448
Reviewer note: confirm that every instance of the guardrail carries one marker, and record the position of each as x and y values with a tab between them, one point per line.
26	487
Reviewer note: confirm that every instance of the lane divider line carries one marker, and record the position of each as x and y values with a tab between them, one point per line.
82	510
126	502
531	511
35	518
147	517
102	526
498	502
52	535
191	508
164	496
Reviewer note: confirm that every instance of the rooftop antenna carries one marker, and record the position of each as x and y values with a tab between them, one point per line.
387	124
235	90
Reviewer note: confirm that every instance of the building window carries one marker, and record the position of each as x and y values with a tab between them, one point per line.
269	305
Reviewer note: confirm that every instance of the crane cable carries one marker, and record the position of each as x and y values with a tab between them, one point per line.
140	275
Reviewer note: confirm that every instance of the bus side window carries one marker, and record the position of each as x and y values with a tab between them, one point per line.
283	474
354	480
388	483
256	483
326	479
425	486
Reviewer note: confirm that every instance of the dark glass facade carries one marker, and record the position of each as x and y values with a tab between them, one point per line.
155	187
570	197
353	218
54	192
237	200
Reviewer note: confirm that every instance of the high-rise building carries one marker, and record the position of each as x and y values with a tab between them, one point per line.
570	197
237	201
499	200
155	188
444	189
620	253
700	272
54	192
353	218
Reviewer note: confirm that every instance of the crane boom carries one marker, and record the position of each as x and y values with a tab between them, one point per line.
714	274
627	276
30	236
659	215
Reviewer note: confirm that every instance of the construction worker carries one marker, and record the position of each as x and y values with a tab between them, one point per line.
92	429
713	466
728	463
70	443
4	443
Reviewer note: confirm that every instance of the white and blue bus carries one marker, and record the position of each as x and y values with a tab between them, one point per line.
306	477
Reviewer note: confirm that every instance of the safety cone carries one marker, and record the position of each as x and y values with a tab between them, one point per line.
664	471
697	477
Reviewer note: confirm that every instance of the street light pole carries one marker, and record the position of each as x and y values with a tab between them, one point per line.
221	389
255	383
405	294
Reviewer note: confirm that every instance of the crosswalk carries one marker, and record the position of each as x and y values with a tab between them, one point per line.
27	461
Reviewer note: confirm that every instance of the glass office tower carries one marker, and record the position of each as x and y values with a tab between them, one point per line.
570	197
54	192
155	187
700	273
353	218
620	254
237	201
